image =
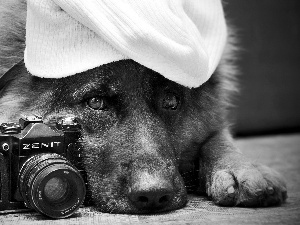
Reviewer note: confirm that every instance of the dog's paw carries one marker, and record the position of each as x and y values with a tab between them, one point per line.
250	186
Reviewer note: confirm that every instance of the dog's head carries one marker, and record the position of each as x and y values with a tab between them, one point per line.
139	130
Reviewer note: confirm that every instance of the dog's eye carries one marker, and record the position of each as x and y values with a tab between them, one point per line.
170	101
97	103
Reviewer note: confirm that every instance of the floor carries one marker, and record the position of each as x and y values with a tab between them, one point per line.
281	152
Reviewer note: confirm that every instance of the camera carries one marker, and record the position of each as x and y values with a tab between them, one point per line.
40	166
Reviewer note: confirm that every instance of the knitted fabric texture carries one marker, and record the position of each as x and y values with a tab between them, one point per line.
183	40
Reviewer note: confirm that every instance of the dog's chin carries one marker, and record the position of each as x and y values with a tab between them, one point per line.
115	198
124	206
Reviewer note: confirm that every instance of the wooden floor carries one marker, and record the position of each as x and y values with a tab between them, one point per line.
280	152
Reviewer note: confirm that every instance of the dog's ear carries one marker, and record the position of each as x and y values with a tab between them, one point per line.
12	33
14	89
11	75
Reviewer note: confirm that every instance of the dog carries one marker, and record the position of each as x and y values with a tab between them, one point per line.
147	141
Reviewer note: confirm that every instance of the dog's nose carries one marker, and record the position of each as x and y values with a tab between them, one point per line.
151	199
149	192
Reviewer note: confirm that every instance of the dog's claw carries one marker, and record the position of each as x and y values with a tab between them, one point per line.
208	191
270	190
230	191
259	192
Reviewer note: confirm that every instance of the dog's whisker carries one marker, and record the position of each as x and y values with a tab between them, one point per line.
190	186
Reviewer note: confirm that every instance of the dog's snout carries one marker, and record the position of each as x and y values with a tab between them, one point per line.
151	192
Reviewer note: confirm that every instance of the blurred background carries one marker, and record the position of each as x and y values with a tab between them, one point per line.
269	34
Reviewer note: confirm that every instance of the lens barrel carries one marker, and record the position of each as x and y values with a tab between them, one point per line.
51	185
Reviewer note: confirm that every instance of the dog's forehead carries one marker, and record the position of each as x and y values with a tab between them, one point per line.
120	77
98	86
111	79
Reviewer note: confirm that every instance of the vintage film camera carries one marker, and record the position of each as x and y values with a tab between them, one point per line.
40	166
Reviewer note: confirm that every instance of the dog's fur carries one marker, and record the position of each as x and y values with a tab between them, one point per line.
149	139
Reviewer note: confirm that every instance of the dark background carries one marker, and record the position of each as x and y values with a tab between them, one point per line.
269	34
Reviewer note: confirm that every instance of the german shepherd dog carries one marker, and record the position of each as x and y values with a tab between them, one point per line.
146	140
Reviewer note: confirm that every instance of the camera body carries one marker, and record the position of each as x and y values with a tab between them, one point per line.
39	165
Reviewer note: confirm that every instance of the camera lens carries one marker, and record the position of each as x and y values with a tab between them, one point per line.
56	188
51	185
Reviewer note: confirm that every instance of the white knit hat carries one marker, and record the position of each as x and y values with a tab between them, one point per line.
183	40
